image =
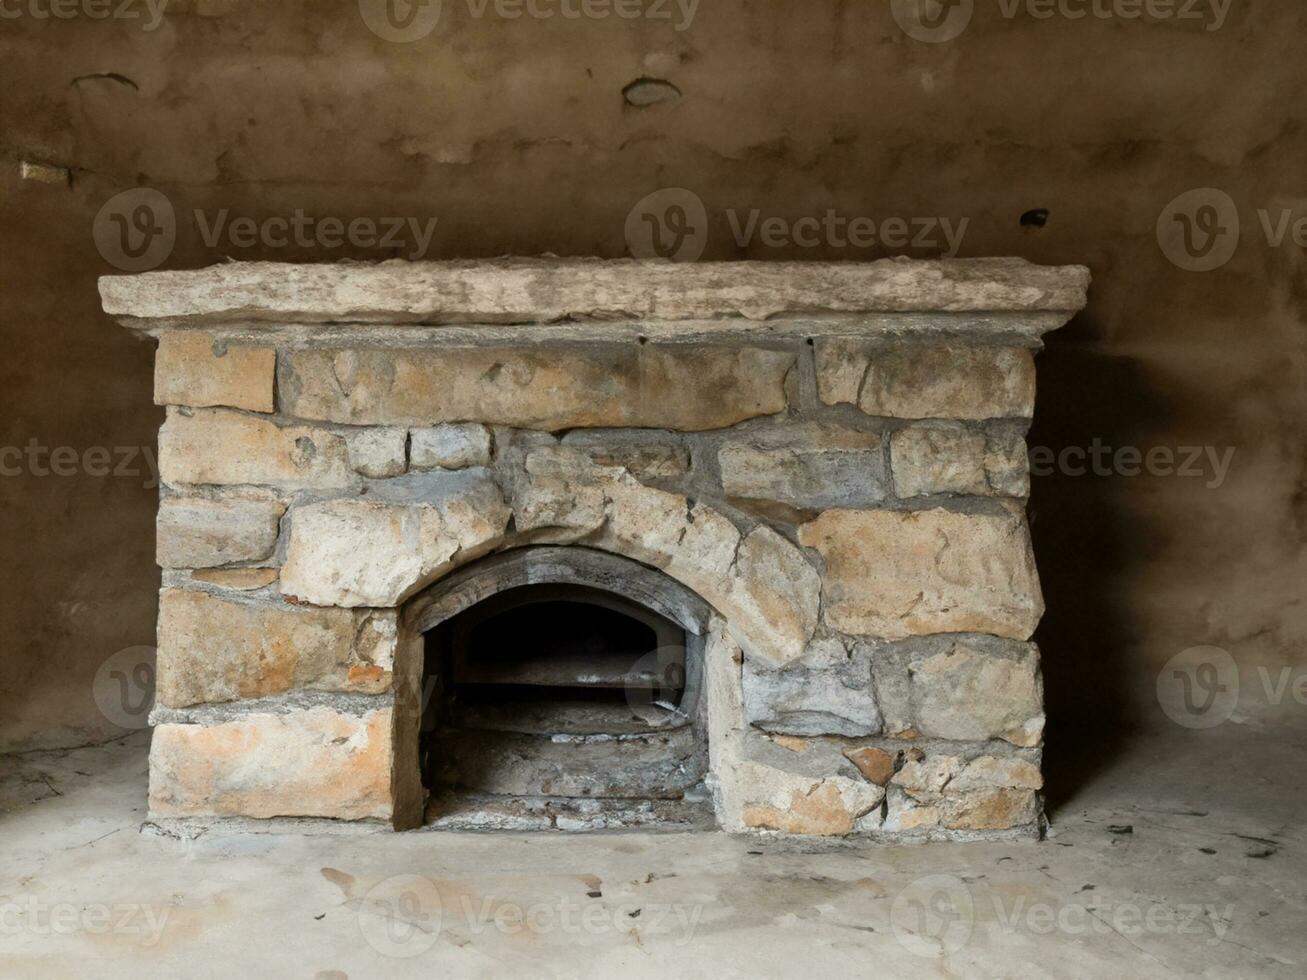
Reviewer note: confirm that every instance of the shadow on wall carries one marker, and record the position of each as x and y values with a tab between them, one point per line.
1082	548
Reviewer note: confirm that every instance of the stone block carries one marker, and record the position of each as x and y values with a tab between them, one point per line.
303	763
366	552
682	388
646	455
952	459
215	649
985	793
773	596
200	370
875	764
195	532
805	466
451	447
1007	465
560	489
378	453
945	459
910	381
894	574
211	446
794	803
971	689
809	699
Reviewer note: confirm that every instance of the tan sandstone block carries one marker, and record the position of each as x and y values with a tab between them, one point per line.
307	763
215	649
945	458
805	466
938	460
679	388
218	447
798	804
991	772
451	446
968	695
919	382
999	809
199	370
194	532
987	793
360	552
896	574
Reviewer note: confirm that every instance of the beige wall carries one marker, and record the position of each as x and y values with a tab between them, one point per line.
515	135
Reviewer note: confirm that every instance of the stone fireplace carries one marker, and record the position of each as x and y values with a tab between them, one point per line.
577	544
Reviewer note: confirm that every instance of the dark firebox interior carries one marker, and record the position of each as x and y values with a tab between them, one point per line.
561	691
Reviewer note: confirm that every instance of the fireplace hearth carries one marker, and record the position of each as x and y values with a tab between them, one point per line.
576	544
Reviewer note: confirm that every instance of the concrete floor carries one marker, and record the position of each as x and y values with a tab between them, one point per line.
1182	855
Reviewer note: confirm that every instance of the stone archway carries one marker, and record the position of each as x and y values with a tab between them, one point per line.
378	552
713	673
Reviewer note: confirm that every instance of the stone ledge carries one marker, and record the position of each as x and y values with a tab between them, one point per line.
346	705
547	290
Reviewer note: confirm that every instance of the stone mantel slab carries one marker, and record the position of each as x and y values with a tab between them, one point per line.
592	298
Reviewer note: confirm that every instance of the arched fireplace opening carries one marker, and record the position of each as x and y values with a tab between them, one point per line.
566	703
